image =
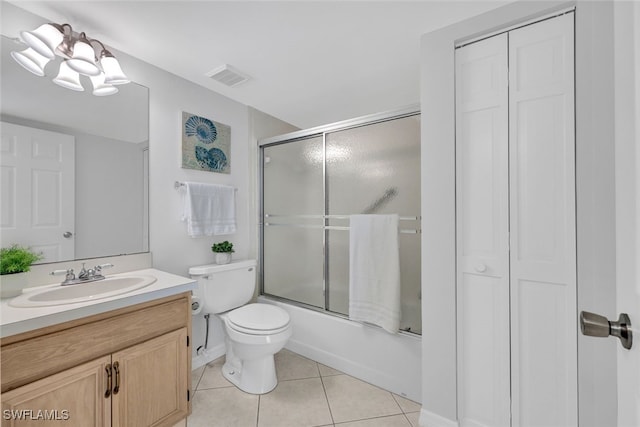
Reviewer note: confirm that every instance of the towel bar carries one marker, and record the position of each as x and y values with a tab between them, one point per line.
335	227
402	218
179	184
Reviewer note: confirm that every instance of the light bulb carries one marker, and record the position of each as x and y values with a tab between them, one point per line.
83	59
68	78
31	61
113	72
100	88
43	40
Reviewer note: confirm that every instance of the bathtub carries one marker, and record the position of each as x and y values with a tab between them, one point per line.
392	362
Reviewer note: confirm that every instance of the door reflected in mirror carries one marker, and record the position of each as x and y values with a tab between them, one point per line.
74	166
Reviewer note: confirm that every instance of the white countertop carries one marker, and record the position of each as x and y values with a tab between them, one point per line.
15	320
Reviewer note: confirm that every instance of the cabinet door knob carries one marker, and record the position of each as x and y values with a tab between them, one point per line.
481	268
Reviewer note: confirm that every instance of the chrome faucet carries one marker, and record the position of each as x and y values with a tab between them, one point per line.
84	275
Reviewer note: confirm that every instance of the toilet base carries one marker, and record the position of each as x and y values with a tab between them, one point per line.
251	376
249	364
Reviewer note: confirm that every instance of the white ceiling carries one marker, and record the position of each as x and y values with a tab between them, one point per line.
310	62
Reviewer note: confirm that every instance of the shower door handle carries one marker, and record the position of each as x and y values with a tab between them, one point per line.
595	325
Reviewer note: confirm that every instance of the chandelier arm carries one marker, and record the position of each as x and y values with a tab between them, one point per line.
104	51
65	48
62	27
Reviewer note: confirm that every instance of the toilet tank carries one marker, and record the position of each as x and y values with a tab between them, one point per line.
227	286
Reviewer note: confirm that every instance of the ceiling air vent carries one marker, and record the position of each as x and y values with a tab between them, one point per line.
228	75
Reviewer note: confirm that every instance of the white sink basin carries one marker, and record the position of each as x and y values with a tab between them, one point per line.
82	292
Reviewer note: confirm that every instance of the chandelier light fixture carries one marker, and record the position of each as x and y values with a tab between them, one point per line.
81	56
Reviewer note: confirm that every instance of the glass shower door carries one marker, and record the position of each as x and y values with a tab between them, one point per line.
375	169
312	184
293	208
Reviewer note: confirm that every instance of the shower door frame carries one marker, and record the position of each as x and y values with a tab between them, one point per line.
411	110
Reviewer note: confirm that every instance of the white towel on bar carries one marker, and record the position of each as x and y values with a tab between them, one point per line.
209	209
374	270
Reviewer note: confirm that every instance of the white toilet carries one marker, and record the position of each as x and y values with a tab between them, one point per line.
253	332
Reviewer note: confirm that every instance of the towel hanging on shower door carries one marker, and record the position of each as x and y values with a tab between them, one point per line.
374	270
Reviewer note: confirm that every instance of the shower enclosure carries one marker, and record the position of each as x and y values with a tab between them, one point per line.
312	180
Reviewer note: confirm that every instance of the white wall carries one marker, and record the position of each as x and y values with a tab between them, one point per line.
595	227
627	143
170	95
172	249
109	190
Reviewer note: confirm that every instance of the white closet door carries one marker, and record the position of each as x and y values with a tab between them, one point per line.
482	233
543	224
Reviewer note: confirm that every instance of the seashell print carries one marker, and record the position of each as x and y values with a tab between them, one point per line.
201	128
213	158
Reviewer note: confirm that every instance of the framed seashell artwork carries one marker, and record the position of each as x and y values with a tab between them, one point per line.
206	144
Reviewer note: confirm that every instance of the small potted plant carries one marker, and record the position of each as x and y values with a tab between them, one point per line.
223	251
15	262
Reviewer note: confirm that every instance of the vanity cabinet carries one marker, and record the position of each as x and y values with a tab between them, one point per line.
75	395
149	382
129	367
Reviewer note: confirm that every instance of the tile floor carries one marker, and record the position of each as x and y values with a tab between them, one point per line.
308	394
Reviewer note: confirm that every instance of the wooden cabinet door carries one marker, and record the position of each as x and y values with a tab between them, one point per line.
151	383
72	397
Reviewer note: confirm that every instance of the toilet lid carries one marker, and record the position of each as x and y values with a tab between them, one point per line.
258	318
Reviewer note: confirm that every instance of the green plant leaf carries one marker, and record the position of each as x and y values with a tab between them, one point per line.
225	246
17	259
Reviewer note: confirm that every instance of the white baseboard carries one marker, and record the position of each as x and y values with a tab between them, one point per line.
430	419
350	367
208	356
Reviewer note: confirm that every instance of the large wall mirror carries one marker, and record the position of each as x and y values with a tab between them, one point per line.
74	166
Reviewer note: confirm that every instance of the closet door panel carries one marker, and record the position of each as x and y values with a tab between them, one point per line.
542	211
542	215
482	233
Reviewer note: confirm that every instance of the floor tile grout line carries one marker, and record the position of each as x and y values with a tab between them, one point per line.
296	379
258	413
324	389
318	374
401	408
199	378
371	418
398	403
216	388
408	420
194	388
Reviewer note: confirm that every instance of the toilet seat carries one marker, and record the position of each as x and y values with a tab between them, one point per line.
258	319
